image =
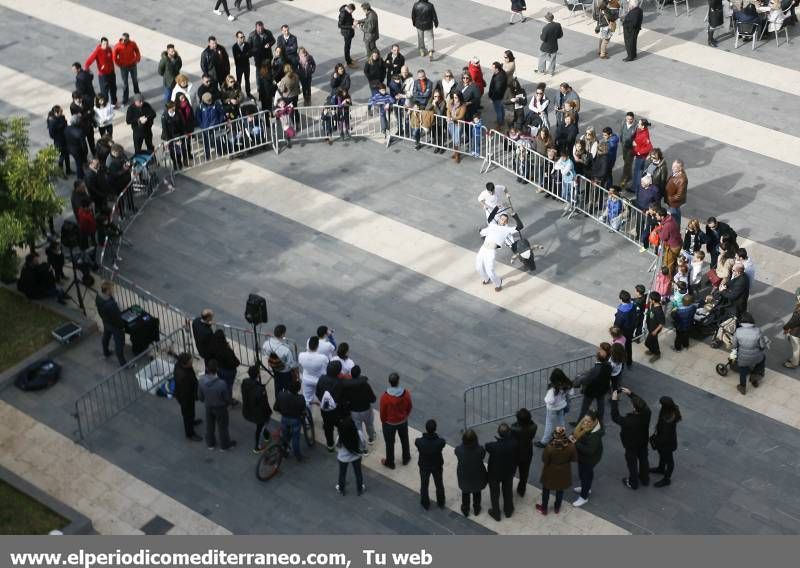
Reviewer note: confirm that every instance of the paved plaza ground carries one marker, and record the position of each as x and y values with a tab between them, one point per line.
375	241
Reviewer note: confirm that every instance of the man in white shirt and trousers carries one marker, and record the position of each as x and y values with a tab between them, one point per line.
495	236
491	199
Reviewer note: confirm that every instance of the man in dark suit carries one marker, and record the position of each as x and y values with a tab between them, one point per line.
733	299
595	384
203	332
502	465
631	25
186	385
551	33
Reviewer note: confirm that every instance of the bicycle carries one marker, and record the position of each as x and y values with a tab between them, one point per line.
269	462
307	423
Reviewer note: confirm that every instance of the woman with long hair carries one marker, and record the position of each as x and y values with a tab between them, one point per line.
588	439
555	401
456	111
305	70
665	440
471	471
556	476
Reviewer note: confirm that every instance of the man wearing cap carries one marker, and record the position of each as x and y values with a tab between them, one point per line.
551	33
127	56
496	235
140	117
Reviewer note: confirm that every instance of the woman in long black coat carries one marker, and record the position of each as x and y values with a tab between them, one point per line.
186	393
665	439
715	20
471	471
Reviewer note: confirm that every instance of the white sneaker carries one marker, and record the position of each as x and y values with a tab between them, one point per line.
231	18
580	502
578	490
218	12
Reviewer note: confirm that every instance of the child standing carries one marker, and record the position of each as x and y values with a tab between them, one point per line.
655	323
697	271
683	318
613	213
639	304
681	289
476	135
617	361
663	283
617	336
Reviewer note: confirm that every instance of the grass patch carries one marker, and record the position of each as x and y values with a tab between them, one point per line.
26	328
19	514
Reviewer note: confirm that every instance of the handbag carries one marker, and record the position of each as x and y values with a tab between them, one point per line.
653	238
713	279
289	131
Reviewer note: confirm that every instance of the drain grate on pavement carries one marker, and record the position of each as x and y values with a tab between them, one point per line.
157	525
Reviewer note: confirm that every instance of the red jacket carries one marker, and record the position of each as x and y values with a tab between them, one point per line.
642	140
395	407
126	54
476	73
670	233
104	58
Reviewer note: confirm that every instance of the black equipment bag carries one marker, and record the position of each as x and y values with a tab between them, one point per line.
40	375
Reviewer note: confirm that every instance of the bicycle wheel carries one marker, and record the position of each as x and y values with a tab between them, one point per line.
308	429
269	462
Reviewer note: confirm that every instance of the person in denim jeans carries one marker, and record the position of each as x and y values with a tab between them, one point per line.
555	403
567	169
291	405
384	101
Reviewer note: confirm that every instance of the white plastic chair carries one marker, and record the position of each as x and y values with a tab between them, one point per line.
675	3
777	24
580	5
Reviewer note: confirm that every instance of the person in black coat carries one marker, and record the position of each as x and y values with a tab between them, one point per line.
82	107
733	299
331	384
214	62
227	361
140	117
255	404
113	325
393	62
75	141
173	126
241	60
38	280
358	397
715	20
431	463
497	90
345	24
502	464
634	430
715	231
595	385
186	394
56	125
203	331
551	33
261	41
665	439
471	472
83	81
631	25
524	431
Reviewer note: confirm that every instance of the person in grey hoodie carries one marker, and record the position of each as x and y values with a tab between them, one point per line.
216	396
751	346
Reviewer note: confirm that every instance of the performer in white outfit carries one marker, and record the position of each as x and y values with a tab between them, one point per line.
313	363
492	197
495	236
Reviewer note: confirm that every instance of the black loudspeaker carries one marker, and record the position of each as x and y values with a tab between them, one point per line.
255	311
70	234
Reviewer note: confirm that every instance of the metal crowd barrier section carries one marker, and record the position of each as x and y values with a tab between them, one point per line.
426	128
230	139
142	376
327	123
582	196
500	399
146	175
130	294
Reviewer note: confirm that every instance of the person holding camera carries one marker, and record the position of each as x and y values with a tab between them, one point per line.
634	433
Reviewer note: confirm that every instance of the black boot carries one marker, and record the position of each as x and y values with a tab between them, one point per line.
711	41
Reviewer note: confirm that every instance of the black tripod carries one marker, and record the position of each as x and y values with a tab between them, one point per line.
76	282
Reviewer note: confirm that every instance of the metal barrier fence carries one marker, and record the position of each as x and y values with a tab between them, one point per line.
581	196
326	123
501	398
142	376
426	128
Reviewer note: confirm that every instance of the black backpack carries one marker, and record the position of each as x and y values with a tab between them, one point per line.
40	375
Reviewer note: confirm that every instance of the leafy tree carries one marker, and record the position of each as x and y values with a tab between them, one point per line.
27	195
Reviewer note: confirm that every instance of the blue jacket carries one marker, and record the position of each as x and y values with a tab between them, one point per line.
381	100
614	208
625	318
613	144
210	115
683	317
